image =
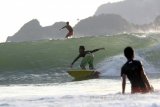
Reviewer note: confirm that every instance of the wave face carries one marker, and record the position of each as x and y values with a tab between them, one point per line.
46	61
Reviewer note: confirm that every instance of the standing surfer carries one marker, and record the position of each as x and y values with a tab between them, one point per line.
87	57
69	28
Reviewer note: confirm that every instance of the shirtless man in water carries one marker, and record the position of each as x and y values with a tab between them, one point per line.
69	28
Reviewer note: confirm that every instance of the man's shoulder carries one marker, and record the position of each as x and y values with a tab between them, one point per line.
124	69
137	62
87	51
124	65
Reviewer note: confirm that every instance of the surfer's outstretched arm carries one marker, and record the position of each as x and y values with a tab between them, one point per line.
95	50
62	27
75	60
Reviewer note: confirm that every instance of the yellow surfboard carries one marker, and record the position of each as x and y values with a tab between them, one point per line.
83	74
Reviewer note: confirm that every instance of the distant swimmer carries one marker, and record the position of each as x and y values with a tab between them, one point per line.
133	70
87	57
69	28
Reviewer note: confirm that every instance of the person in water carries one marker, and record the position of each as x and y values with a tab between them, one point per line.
69	28
88	57
133	69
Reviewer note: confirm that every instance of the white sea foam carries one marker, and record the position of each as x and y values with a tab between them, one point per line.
89	93
112	66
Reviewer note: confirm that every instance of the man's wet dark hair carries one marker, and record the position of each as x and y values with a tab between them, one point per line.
129	52
82	47
67	23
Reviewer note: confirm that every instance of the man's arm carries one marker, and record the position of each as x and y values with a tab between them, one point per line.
145	79
123	83
95	50
75	60
63	27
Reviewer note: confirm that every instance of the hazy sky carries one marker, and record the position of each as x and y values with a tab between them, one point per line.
15	13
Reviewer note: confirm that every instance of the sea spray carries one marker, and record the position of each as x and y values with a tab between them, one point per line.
112	66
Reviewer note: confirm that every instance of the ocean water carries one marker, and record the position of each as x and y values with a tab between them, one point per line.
33	74
88	93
